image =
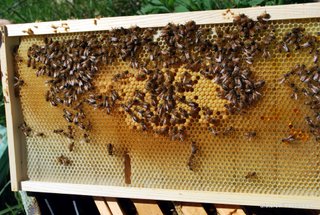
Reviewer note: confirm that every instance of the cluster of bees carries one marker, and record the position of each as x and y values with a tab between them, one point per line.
302	80
161	107
222	56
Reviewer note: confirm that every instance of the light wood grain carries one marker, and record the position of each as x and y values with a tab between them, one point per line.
192	209
229	210
147	207
263	200
13	113
102	206
293	11
113	206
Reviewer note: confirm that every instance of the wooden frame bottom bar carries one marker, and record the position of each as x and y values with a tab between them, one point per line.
262	200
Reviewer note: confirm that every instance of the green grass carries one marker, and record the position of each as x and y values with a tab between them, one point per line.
22	11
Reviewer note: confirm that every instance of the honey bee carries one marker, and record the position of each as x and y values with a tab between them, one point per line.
316	56
182	134
140	95
229	131
95	22
68	115
110	149
194	148
29	31
285	47
289	139
33	64
250	134
251	175
162	131
63	160
191	161
135	118
114	96
86	138
120	76
53	102
144	126
58	131
264	17
18	83
71	146
310	122
26	130
29	62
54	26
141	77
39	134
259	84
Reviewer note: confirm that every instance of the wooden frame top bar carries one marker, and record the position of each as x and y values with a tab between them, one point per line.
293	11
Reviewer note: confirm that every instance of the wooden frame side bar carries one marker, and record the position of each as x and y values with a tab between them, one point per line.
13	112
293	11
263	200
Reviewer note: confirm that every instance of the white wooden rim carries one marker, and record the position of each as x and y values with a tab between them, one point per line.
262	200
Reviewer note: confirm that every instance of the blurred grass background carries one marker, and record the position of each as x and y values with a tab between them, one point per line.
22	11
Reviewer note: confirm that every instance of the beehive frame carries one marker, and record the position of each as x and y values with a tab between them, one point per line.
17	149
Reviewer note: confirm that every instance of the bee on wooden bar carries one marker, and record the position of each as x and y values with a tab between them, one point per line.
54	26
251	175
29	31
264	17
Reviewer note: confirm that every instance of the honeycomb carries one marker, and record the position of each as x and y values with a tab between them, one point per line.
222	163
